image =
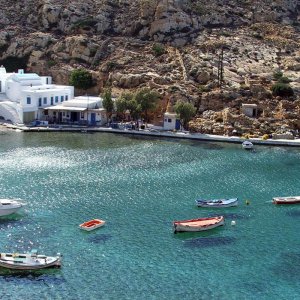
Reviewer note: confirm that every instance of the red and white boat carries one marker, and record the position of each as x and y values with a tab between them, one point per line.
198	224
286	200
92	224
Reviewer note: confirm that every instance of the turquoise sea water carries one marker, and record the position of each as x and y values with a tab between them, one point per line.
139	186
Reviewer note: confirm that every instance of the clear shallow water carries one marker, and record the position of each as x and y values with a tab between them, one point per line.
139	186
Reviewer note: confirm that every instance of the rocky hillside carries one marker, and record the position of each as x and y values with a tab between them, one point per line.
214	54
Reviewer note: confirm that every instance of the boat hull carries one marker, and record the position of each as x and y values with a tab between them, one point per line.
188	226
91	228
217	203
9	211
92	225
27	262
286	200
9	206
247	145
29	267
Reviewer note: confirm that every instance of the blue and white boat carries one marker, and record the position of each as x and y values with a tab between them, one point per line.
217	202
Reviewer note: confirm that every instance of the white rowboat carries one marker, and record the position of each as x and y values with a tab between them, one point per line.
198	224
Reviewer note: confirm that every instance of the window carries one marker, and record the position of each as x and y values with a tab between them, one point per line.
40	101
169	120
67	97
28	100
45	100
62	99
54	113
56	99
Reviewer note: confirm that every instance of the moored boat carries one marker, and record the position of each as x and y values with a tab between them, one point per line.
9	206
217	202
29	261
247	145
92	224
286	200
200	224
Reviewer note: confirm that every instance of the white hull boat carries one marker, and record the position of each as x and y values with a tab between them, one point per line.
247	145
9	206
92	224
28	261
201	224
216	203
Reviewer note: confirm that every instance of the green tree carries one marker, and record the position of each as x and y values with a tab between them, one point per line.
81	79
134	109
185	111
107	102
122	103
147	100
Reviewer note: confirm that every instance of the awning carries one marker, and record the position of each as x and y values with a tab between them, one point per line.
65	108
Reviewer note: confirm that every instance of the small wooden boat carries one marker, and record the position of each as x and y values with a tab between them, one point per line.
247	145
92	224
9	206
29	261
217	202
286	200
198	224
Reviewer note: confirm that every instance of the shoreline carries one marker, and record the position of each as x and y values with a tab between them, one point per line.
155	133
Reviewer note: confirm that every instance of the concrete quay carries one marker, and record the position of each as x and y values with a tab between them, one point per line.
156	133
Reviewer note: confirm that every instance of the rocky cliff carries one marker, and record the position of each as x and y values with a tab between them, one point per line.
214	54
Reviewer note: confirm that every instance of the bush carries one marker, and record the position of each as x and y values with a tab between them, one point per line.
284	79
158	49
277	75
84	23
282	89
51	63
265	137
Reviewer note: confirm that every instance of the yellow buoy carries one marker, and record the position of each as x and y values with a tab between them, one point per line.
247	202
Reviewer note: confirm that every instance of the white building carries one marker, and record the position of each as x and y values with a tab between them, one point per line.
83	110
24	97
171	121
249	110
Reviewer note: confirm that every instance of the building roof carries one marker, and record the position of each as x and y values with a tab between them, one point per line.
43	89
65	108
249	105
25	77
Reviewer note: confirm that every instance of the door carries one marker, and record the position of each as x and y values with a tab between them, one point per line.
51	100
74	116
93	119
177	124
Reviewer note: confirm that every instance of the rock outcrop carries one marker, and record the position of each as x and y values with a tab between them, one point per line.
216	55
